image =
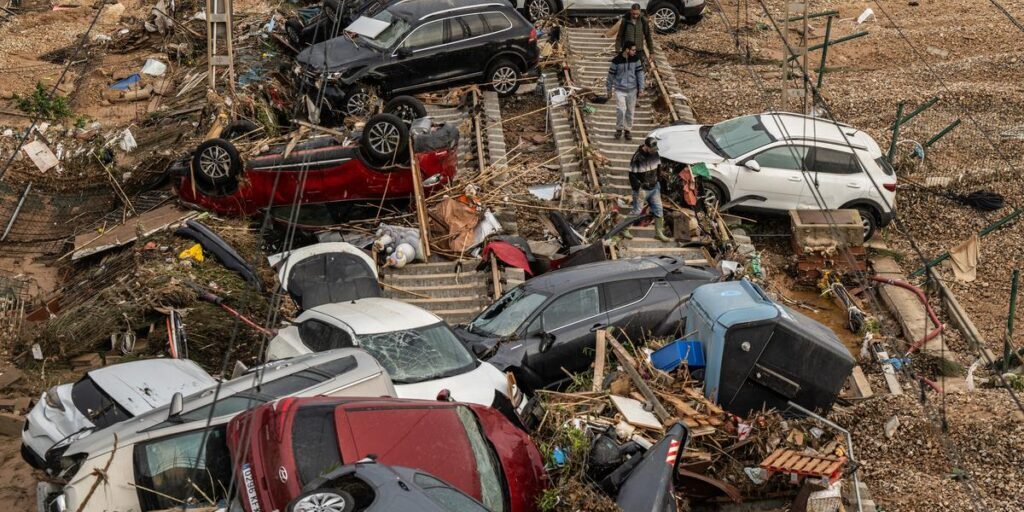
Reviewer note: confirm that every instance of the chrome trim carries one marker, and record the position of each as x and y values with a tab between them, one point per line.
463	8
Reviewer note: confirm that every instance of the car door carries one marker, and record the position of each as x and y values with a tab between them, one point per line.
572	319
780	179
638	306
419	58
470	46
837	178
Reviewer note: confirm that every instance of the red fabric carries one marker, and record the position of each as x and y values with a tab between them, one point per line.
509	255
689	187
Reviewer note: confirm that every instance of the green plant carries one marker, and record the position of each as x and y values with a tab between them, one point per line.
548	500
42	104
80	121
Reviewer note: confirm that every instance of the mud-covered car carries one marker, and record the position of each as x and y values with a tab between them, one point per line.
546	326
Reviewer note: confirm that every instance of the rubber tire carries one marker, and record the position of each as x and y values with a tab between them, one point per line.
716	189
293	31
234	165
665	5
375	155
493	68
236	129
870	219
410	103
350	502
348	93
552	8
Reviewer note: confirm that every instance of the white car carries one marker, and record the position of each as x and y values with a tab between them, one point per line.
780	157
666	15
419	350
103	397
326	272
159	458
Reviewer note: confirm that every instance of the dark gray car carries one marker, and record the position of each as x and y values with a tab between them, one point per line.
548	323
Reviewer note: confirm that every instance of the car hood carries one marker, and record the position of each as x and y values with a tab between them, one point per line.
684	144
475	387
336	54
141	386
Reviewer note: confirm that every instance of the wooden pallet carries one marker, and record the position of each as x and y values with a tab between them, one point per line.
803	464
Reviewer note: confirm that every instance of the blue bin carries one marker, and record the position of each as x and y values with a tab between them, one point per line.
669	357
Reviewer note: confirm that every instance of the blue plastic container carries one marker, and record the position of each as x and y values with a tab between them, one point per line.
670	356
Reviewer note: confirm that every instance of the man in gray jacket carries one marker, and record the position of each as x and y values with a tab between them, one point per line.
626	80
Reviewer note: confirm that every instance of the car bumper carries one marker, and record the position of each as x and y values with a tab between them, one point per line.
887	218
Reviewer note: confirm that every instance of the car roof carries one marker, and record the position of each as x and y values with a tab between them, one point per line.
371	315
790	126
419	9
571	278
140	386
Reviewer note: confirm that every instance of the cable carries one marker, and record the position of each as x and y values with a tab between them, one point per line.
1015	21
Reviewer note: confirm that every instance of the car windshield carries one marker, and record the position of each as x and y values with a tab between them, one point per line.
397	27
416	355
96	405
446	495
491	480
505	316
739	136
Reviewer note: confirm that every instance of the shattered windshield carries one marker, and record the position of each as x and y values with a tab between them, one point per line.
737	137
416	355
397	27
505	316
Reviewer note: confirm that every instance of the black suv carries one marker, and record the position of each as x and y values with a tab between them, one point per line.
416	45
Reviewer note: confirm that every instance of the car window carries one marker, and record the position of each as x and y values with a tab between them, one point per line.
833	162
474	25
506	315
416	355
534	327
315	442
739	136
426	36
491	481
497	21
886	167
446	496
338	366
289	384
783	157
96	405
571	308
320	336
224	406
170	469
620	293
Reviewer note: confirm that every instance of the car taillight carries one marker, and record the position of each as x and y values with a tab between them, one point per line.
891	187
281	408
533	35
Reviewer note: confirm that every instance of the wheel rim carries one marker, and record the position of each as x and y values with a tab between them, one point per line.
215	162
539	9
384	138
504	79
664	18
358	103
866	222
405	113
320	502
711	199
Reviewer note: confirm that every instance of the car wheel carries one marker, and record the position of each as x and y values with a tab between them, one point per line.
540	9
293	29
665	17
713	196
216	162
359	101
504	77
406	108
385	139
237	129
869	220
323	500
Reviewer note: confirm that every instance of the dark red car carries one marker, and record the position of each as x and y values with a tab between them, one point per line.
278	448
339	176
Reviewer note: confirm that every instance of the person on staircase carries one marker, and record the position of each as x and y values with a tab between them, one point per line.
626	80
643	179
634	28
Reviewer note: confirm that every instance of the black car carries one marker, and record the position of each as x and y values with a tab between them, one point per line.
548	323
417	45
329	23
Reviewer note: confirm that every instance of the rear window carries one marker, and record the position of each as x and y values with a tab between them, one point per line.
497	21
621	293
315	442
884	164
833	162
320	336
96	405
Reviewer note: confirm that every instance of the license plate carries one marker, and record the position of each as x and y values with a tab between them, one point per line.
250	488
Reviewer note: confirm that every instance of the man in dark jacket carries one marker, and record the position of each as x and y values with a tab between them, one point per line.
634	28
626	81
643	179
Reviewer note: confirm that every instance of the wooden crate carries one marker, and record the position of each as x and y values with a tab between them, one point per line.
812	228
803	464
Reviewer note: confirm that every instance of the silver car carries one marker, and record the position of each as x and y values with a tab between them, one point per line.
157	459
103	397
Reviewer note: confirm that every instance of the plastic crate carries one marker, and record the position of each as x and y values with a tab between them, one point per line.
670	356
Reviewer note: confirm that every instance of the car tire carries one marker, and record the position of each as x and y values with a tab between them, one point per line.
293	29
712	196
385	139
236	129
216	163
504	76
358	101
540	9
665	17
869	219
332	500
406	108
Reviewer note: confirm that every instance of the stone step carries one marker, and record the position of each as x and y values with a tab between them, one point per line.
446	303
439	279
435	291
646	243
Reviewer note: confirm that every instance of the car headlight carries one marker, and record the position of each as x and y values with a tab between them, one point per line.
53	400
335	75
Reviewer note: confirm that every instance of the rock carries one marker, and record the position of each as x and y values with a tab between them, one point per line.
891	426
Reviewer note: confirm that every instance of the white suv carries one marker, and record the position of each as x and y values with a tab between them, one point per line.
665	14
781	156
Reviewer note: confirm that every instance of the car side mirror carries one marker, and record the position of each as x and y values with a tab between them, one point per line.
177	405
403	52
546	341
753	165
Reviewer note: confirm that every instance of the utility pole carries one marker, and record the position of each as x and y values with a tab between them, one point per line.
796	15
219	52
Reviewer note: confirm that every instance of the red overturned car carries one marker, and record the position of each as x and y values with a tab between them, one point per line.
340	177
280	448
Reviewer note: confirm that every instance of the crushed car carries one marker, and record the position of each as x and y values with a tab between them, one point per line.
278	451
324	273
546	326
666	15
329	21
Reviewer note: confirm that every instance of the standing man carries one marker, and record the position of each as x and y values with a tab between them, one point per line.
626	80
643	179
633	28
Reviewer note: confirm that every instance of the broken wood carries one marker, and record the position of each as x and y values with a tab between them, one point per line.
638	381
859	385
421	207
599	358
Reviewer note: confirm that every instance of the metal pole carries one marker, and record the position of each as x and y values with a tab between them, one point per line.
924	106
1007	343
17	210
824	51
942	133
833	43
829	13
895	132
849	447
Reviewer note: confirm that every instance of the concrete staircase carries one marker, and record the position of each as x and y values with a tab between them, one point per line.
453	293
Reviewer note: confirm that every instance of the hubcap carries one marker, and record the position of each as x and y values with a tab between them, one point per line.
866	223
539	9
405	113
504	79
358	104
384	138
215	162
664	18
320	502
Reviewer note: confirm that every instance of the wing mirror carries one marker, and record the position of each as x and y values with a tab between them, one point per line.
402	53
753	165
177	405
546	340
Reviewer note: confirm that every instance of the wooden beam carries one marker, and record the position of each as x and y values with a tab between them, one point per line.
599	358
624	359
421	207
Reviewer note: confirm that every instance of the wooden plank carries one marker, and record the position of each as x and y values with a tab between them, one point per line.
599	358
859	385
421	207
771	458
712	408
888	372
680	405
624	358
634	414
